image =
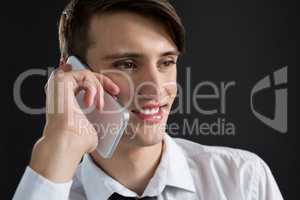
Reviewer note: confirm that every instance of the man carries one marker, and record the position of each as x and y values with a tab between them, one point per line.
142	40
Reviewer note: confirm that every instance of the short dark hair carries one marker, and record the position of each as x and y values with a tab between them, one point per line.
75	18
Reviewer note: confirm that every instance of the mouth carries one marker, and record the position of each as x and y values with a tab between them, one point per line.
152	113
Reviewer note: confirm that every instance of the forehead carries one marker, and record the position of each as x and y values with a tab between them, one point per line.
127	31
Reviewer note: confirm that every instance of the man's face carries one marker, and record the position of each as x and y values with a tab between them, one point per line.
139	49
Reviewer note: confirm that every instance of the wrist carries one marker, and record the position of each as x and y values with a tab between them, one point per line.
55	161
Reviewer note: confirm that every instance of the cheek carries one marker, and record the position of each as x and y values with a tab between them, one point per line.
126	88
171	92
170	84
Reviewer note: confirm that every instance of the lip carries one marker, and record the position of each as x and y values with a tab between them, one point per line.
154	118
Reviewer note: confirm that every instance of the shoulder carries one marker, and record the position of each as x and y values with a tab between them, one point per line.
231	162
193	149
232	168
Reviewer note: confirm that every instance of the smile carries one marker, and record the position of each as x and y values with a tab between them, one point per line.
150	113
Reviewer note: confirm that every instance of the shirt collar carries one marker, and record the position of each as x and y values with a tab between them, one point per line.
173	170
178	173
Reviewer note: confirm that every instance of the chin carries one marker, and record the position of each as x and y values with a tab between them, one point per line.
145	135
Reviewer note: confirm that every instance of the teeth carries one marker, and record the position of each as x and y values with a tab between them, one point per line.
150	111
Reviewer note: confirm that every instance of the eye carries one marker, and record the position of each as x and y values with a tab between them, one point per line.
168	63
125	65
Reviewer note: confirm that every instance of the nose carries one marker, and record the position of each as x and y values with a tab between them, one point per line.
150	86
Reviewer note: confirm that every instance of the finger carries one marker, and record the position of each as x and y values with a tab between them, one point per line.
108	84
51	79
65	67
90	80
79	77
99	97
91	91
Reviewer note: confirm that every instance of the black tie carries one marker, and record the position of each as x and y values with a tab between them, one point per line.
116	196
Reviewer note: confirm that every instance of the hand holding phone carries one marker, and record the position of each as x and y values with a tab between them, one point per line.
109	123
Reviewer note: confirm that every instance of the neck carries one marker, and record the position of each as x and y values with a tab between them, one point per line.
140	162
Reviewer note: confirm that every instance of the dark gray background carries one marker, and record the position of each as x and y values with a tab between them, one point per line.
241	41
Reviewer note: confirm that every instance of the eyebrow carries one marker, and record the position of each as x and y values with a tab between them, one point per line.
137	55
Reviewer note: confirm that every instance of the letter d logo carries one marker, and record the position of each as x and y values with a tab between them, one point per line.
279	122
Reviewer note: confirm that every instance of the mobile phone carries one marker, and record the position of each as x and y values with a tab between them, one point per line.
110	123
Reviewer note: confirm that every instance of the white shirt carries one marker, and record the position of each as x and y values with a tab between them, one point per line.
187	171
